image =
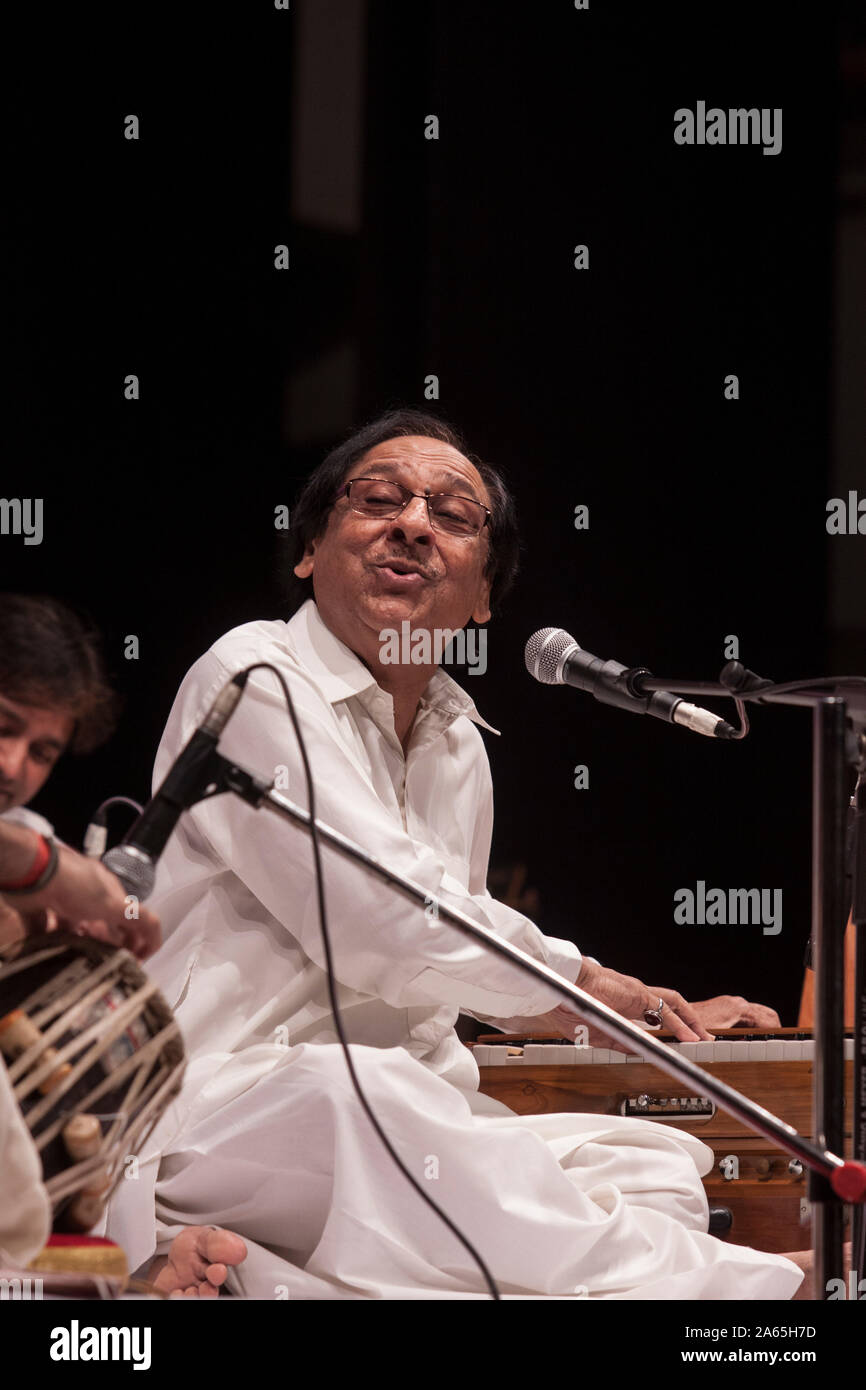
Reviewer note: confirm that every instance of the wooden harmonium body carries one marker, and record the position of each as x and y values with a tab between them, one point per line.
757	1195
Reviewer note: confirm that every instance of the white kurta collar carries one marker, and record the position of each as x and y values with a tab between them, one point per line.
341	674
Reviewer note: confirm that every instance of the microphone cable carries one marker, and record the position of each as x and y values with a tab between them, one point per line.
96	834
332	992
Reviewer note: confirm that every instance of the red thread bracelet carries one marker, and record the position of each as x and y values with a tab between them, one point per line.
37	868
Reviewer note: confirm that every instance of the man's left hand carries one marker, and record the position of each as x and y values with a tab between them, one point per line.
732	1011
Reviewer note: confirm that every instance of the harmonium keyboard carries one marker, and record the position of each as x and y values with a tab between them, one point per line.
757	1195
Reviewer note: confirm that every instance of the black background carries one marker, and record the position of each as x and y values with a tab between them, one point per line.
602	387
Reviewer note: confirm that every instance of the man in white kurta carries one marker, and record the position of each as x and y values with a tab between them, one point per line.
268	1138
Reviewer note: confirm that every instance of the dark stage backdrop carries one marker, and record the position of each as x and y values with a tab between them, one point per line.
413	257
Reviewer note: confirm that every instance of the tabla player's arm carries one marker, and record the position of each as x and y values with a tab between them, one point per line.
19	846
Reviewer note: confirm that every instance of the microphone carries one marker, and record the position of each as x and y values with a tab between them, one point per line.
134	860
554	658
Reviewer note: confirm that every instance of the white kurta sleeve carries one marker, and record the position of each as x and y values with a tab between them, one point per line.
25	1212
384	943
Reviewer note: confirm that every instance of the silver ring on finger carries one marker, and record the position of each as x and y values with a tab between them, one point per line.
653	1017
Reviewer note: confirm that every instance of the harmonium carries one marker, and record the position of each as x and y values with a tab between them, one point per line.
757	1193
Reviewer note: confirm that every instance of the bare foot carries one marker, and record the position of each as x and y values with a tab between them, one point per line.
196	1264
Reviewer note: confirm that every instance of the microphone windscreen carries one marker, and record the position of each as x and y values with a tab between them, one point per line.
544	654
136	871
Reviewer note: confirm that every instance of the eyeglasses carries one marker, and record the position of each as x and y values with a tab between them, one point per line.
459	516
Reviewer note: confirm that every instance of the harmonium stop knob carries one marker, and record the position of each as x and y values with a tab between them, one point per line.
721	1221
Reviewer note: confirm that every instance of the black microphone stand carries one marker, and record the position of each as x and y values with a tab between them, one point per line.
833	748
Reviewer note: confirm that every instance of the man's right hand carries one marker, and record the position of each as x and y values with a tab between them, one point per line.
631	998
89	898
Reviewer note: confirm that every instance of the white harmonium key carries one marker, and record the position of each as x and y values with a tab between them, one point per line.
540	1053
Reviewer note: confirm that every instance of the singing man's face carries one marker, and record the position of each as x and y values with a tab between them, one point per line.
31	741
357	592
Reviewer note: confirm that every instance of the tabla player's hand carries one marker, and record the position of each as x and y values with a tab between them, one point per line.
87	894
140	935
15	925
732	1011
43	920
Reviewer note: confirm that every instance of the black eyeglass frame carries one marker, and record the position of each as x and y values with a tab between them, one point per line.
427	496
